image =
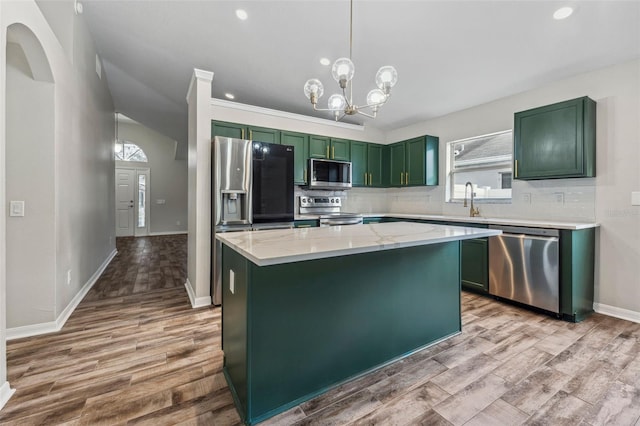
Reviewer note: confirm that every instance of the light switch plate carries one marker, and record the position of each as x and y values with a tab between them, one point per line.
635	198
16	208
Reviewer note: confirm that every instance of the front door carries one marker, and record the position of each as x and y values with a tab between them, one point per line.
125	194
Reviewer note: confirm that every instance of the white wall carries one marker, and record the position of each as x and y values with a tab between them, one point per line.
168	177
83	135
605	199
29	172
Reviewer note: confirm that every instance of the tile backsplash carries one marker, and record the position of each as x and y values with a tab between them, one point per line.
562	199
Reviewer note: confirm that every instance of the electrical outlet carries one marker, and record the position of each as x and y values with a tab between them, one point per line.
526	198
178	222
68	276
232	281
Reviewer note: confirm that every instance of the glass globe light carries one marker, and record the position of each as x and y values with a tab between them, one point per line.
343	71
386	78
376	97
336	102
313	87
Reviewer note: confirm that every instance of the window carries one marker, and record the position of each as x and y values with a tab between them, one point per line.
128	151
485	161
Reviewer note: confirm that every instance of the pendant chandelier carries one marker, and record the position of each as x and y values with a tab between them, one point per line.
342	71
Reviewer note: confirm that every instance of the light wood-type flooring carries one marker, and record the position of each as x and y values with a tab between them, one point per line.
134	351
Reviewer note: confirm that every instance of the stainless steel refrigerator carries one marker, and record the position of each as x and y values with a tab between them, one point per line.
231	198
252	185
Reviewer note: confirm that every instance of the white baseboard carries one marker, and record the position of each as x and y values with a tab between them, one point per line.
614	311
5	393
196	302
156	234
53	326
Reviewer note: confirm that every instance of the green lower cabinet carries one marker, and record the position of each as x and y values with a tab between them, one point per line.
287	340
300	143
474	265
577	260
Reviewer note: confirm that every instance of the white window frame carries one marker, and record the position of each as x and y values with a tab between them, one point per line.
506	160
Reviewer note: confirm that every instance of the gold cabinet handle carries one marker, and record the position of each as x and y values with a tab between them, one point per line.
516	171
365	178
406	178
370	179
333	152
401	178
250	134
328	152
241	133
304	174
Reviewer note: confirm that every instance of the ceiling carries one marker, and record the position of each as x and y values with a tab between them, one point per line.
450	55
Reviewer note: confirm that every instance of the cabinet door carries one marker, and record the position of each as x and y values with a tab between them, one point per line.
340	149
300	143
228	130
359	171
374	164
555	141
416	162
261	134
319	147
397	164
474	264
432	158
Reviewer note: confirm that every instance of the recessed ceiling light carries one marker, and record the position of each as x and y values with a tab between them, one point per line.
325	61
242	14
562	13
229	96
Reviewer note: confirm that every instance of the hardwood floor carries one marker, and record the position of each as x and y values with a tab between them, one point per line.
134	351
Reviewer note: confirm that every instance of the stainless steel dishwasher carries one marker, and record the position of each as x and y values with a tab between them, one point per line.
524	266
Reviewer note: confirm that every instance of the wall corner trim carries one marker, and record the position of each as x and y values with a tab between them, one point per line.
5	394
614	311
53	326
196	302
199	74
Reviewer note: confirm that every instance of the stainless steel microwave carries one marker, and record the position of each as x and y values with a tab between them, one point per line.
329	174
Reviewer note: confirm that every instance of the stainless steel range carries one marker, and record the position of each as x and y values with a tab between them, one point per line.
329	209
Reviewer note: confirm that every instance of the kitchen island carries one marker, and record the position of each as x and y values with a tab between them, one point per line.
307	309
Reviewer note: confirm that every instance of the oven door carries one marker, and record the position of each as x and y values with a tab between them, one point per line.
272	189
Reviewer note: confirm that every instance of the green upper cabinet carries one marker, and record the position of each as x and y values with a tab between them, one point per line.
359	166
300	143
340	149
375	165
319	147
328	148
261	134
228	130
556	141
415	162
368	164
241	131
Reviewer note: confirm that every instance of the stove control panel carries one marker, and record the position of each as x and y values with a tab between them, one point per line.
318	202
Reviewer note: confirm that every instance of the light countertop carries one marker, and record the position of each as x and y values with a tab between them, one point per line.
480	220
277	246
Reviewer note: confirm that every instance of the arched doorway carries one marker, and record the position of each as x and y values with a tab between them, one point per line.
29	181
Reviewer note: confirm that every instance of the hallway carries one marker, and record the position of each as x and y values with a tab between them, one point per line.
133	351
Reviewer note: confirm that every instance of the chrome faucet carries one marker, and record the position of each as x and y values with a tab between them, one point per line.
473	212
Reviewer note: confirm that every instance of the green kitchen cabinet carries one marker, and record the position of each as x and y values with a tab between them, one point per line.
262	134
556	141
414	162
328	148
241	131
228	130
474	265
577	273
366	164
300	143
359	165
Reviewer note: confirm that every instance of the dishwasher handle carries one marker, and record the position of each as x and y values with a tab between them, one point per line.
529	237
